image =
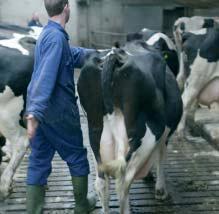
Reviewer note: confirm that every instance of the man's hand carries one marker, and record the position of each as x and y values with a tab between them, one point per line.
32	124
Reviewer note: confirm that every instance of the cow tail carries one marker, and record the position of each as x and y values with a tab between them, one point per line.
107	82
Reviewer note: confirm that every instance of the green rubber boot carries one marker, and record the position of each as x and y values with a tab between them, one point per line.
35	199
83	204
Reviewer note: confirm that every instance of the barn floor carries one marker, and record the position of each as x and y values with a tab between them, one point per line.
192	171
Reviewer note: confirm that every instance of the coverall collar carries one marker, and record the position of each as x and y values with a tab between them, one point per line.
59	27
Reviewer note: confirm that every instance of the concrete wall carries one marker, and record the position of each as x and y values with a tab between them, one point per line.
138	17
207	12
20	11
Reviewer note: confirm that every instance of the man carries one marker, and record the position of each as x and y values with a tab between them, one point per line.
52	114
35	21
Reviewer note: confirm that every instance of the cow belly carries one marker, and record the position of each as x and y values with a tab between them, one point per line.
210	93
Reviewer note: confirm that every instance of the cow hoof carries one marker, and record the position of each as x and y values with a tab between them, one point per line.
161	194
180	134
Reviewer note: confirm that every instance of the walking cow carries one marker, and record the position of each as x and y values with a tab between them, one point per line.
133	105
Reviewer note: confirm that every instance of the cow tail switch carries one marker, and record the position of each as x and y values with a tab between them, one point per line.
115	168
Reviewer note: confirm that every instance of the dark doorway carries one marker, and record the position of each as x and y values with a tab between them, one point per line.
169	17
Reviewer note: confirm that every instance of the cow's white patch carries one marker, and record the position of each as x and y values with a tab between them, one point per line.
36	32
107	144
153	39
103	50
114	140
14	43
108	54
138	166
201	73
202	31
191	24
10	105
128	53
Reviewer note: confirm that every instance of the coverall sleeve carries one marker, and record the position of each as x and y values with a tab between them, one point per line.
44	80
79	55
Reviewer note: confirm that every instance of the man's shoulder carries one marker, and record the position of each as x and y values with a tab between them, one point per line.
51	35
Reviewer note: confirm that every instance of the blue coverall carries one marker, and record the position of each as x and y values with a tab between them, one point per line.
51	99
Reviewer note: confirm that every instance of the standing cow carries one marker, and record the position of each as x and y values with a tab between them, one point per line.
201	63
133	105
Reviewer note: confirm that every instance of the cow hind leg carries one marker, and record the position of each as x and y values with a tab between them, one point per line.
7	151
102	189
14	133
20	142
189	98
160	187
138	166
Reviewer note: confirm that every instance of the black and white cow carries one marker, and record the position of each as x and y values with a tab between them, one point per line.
133	105
195	25
16	65
201	64
160	42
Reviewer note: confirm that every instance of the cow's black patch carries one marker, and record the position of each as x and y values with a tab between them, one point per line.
133	36
191	44
210	46
208	23
182	26
16	70
2	143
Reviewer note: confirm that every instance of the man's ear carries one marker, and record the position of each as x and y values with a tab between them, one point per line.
66	6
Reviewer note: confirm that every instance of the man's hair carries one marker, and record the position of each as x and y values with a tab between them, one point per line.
55	7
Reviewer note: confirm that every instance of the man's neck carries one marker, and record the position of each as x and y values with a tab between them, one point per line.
59	19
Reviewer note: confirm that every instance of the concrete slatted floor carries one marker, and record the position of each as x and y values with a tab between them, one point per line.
192	174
